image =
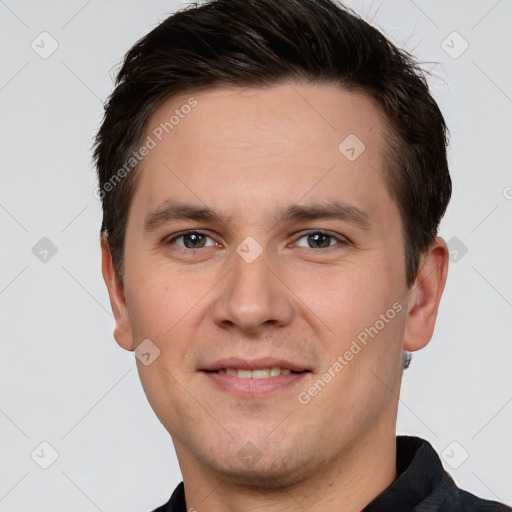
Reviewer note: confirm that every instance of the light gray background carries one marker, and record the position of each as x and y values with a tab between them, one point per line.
64	380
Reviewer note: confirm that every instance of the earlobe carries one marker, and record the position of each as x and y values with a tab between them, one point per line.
425	296
122	329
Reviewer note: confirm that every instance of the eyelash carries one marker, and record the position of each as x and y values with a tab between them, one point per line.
341	240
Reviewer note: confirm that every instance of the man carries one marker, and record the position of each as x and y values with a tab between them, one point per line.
273	174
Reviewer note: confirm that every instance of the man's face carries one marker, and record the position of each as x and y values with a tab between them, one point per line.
293	293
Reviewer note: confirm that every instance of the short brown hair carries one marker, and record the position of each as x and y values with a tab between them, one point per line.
264	42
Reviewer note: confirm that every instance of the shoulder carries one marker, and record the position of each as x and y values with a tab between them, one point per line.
445	495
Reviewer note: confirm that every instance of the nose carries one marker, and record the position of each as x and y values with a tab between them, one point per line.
252	296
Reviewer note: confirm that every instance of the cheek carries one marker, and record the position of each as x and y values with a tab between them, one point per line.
160	310
160	299
346	297
360	312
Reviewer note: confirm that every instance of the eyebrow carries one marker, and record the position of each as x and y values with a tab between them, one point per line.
334	209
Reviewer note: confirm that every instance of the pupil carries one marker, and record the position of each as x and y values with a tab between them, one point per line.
194	237
317	235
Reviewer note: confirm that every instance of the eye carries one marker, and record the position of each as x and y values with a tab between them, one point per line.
314	240
191	240
321	240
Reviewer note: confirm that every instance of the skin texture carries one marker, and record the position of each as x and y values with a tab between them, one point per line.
243	152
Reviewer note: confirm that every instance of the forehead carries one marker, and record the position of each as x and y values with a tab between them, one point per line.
277	116
254	145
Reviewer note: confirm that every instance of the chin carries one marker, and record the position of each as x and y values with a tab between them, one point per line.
267	472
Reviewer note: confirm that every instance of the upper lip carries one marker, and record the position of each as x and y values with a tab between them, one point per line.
254	364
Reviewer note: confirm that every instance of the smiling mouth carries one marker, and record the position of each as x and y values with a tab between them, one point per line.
259	373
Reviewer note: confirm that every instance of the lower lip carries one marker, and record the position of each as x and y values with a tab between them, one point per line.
254	387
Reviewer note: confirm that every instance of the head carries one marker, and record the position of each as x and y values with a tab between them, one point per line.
246	109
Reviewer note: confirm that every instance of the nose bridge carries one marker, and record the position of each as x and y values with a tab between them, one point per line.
252	294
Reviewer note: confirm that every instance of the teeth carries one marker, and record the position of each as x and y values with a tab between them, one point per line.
260	373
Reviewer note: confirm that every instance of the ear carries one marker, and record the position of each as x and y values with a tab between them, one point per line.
122	329
425	296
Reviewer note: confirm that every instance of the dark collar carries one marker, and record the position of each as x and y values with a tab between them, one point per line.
422	485
419	475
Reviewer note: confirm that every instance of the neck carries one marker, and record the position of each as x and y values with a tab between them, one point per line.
357	476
